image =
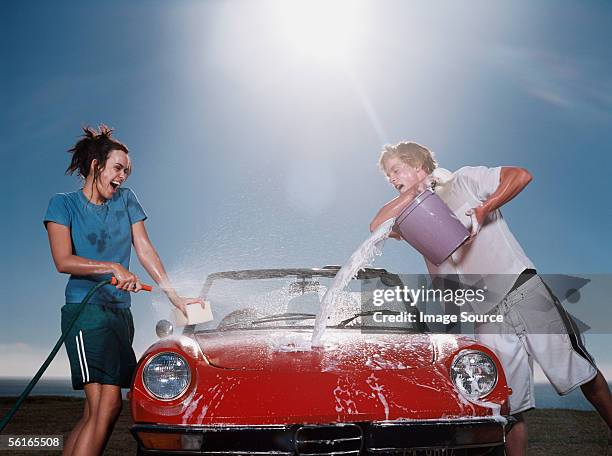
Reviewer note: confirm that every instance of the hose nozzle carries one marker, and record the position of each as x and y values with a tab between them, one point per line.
145	287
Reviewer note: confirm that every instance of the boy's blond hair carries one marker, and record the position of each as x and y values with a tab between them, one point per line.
411	153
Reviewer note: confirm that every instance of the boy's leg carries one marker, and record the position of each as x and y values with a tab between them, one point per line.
552	337
516	440
507	340
518	367
597	392
514	358
554	341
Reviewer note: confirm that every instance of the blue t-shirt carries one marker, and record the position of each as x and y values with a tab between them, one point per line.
99	232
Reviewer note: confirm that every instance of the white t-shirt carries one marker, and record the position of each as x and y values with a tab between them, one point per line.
494	255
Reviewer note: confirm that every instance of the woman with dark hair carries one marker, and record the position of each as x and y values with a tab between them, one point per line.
91	232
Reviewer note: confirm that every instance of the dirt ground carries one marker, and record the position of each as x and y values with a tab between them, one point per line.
552	432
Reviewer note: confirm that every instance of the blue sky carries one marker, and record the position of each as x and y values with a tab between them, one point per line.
254	130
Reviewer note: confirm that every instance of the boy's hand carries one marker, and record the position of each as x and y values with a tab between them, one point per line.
395	234
478	216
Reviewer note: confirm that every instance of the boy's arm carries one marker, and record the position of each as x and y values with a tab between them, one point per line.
392	209
512	180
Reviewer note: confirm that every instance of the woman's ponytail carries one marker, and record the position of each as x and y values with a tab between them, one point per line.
93	145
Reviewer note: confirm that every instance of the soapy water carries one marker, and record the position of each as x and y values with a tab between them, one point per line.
329	298
361	258
161	306
229	244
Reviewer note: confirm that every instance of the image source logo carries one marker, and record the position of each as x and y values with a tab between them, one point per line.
454	304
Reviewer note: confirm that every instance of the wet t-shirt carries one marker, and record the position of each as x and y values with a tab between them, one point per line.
99	232
495	256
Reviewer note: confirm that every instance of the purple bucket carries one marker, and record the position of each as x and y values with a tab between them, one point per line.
428	225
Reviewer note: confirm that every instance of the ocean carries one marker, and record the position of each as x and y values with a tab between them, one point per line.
546	397
14	386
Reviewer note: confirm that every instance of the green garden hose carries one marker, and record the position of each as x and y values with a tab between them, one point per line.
44	366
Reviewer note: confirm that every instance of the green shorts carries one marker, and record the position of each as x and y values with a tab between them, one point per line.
99	345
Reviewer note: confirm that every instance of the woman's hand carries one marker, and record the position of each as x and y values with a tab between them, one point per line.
126	280
181	302
152	263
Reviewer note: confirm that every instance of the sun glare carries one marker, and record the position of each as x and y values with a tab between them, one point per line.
322	29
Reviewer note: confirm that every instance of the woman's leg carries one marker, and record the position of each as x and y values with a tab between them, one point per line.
109	410
104	408
92	393
74	434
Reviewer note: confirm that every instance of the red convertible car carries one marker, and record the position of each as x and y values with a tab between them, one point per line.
248	382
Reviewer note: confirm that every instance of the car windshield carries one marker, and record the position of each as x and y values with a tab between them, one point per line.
265	299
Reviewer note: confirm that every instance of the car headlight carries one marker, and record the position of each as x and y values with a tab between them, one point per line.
474	374
166	375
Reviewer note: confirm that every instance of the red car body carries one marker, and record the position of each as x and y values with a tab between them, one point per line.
256	392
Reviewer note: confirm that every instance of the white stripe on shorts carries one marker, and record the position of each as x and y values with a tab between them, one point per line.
79	353
84	358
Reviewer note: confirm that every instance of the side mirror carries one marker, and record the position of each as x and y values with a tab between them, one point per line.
163	328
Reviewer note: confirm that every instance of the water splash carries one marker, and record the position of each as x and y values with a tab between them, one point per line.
289	342
363	256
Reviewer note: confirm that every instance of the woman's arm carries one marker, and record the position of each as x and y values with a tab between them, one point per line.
67	263
148	257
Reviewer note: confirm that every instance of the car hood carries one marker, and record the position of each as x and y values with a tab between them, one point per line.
272	377
289	350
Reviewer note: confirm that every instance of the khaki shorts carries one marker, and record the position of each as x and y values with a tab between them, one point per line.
537	328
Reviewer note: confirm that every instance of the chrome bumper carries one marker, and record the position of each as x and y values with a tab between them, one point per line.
342	439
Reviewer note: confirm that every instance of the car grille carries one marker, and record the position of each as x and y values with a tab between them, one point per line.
341	439
476	437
